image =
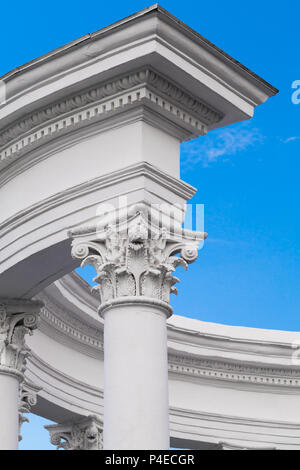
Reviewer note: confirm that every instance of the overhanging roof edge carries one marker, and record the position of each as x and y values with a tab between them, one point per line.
166	15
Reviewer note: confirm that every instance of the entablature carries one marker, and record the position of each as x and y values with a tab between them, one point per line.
197	350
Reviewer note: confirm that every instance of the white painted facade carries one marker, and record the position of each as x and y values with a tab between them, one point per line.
94	126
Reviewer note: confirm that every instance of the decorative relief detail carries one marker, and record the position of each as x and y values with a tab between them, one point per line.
13	328
86	434
27	399
234	371
66	324
96	102
135	257
160	83
207	368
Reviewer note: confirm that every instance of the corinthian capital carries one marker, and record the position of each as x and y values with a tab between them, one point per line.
17	318
85	434
135	257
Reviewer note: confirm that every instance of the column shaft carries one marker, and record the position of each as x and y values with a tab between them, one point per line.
9	412
136	377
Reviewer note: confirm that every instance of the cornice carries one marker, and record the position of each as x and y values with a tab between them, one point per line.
231	419
66	380
195	427
67	393
79	294
194	332
249	344
174	185
69	329
97	103
234	371
224	445
251	373
80	399
17	306
160	13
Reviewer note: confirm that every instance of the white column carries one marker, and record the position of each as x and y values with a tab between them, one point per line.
136	414
17	317
134	260
9	413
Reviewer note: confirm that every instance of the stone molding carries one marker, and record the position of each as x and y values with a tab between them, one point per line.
197	366
145	169
161	307
147	76
85	434
69	394
195	428
146	87
229	446
17	318
83	337
234	371
135	257
152	22
28	231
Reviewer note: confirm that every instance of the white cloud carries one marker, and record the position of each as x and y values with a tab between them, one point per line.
219	144
290	139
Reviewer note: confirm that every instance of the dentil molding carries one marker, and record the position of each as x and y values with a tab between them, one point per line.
234	371
71	329
143	87
68	329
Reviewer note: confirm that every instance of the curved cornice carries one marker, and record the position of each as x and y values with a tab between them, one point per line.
68	394
189	428
235	372
176	186
97	94
193	352
144	87
225	430
69	329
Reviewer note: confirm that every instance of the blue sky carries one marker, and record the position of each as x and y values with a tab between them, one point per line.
247	175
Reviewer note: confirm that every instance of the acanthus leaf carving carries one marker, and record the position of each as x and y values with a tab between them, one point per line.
28	392
85	434
17	318
136	257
